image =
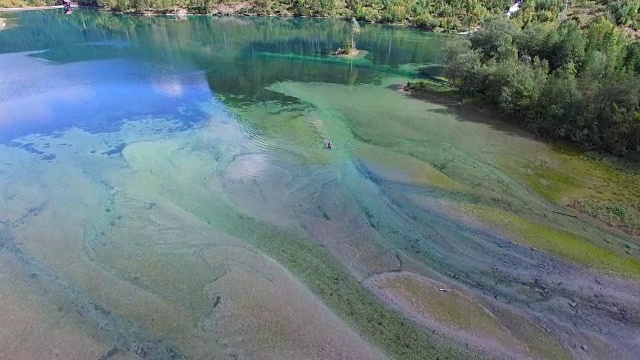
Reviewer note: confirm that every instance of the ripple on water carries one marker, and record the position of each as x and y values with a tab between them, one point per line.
304	131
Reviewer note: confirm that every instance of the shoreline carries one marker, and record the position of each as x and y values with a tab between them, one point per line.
238	9
35	8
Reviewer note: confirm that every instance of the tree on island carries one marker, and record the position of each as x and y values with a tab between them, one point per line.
350	44
355	30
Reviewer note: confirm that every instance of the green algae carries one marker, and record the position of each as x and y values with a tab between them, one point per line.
356	60
385	119
332	283
539	342
451	308
433	134
315	266
602	190
404	71
414	171
433	145
561	243
298	130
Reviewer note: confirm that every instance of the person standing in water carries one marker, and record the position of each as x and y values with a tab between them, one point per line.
329	145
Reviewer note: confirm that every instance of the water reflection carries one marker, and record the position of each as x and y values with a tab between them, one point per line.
109	68
97	97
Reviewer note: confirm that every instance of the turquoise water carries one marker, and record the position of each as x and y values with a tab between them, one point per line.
167	194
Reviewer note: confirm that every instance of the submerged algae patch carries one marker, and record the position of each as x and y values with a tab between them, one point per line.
444	308
357	61
298	130
539	342
554	185
394	166
603	190
561	243
329	280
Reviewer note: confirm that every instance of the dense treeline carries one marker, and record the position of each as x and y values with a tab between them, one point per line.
624	12
428	14
563	81
23	3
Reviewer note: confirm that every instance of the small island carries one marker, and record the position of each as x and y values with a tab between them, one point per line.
348	49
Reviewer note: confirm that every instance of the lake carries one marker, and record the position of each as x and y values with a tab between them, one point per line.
167	193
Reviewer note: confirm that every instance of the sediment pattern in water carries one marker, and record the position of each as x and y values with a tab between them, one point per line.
171	200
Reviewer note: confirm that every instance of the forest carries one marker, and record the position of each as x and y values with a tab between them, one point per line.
561	80
432	15
441	15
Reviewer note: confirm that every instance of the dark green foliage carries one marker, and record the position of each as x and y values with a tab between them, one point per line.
496	39
442	15
565	45
623	12
539	11
464	67
346	46
559	106
564	82
532	39
632	57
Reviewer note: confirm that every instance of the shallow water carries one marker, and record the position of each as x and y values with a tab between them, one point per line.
167	194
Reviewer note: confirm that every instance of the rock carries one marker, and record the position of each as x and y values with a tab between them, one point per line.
572	304
181	14
584	347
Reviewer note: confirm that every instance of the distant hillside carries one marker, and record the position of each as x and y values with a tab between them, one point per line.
429	15
443	15
25	3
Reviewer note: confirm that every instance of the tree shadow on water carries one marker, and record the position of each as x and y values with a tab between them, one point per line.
452	106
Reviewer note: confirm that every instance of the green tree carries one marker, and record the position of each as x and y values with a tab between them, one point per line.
623	11
565	45
355	30
560	105
463	67
532	40
632	57
495	39
604	37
